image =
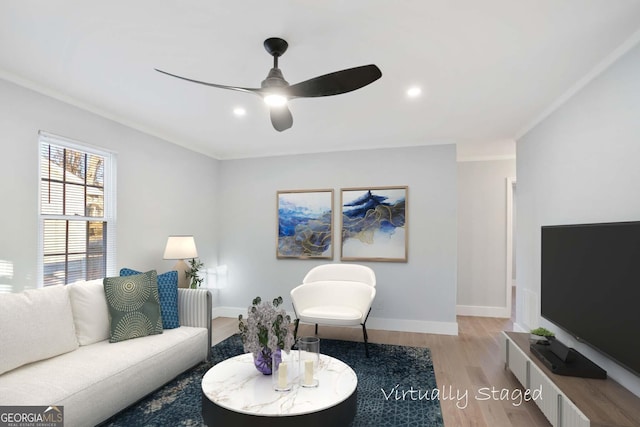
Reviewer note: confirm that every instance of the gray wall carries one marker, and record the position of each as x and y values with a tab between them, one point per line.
580	165
419	295
482	235
162	189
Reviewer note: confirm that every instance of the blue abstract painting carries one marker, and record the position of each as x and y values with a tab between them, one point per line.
374	224
305	224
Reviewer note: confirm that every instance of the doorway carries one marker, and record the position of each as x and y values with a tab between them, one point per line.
510	279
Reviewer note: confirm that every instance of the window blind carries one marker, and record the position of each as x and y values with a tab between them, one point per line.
77	211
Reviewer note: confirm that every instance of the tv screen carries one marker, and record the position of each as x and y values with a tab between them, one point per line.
590	286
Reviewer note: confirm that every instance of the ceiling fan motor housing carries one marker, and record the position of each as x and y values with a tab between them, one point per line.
274	79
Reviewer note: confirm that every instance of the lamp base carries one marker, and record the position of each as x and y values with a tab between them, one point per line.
182	268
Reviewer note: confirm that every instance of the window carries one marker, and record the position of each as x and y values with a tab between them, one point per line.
77	211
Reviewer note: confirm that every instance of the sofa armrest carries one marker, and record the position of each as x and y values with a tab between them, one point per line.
194	309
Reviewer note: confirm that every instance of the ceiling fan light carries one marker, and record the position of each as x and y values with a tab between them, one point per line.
275	100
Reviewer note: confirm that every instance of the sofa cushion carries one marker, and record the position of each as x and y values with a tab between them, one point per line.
168	292
90	312
35	324
327	314
96	381
134	306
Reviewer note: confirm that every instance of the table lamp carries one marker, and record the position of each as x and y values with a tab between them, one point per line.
181	248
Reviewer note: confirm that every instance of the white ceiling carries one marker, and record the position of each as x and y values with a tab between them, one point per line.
488	68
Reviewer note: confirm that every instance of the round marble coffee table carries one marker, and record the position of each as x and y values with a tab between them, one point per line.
234	393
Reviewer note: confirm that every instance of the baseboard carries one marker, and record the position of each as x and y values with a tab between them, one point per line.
228	312
407	325
482	311
519	328
402	325
235	312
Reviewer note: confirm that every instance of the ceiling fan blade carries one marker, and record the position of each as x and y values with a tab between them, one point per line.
281	118
241	89
335	83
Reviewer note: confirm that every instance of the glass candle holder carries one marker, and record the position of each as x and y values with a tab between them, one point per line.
282	370
308	360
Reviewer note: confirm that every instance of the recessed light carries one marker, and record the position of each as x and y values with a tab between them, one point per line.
239	111
414	92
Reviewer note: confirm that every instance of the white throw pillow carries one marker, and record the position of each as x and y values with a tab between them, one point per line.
90	311
34	325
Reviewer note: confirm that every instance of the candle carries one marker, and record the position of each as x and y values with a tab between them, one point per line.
282	375
308	372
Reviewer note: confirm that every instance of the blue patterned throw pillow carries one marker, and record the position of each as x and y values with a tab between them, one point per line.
168	291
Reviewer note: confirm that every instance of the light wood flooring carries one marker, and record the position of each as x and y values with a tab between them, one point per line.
468	362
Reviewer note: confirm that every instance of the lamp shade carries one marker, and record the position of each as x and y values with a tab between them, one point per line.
180	247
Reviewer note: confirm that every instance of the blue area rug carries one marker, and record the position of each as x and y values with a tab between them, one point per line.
393	386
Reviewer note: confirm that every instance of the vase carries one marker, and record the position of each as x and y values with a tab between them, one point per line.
308	360
264	360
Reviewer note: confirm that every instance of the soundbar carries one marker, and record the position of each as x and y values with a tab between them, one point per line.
566	361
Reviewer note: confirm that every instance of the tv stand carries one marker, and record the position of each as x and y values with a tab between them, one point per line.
568	401
573	364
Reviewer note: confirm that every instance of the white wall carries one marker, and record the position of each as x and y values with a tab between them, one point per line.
162	189
419	295
482	237
580	165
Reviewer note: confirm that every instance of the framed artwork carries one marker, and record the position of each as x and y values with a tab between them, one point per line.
374	224
305	226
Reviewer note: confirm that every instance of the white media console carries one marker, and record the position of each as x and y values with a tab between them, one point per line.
569	401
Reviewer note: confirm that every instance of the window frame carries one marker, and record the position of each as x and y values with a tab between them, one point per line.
109	200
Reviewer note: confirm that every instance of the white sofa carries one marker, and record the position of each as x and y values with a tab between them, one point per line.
55	350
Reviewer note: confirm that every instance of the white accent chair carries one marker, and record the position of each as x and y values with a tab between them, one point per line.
335	294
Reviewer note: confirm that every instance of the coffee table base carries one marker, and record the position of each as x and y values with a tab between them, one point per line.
339	415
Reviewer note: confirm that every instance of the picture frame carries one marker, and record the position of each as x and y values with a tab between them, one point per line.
304	224
373	224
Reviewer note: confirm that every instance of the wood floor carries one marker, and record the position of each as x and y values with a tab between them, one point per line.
470	362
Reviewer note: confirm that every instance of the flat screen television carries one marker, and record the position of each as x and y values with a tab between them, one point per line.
590	286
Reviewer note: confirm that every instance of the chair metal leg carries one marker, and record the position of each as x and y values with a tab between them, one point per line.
364	333
295	330
366	339
316	329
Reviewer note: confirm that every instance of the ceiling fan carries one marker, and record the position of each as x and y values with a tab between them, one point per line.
276	91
